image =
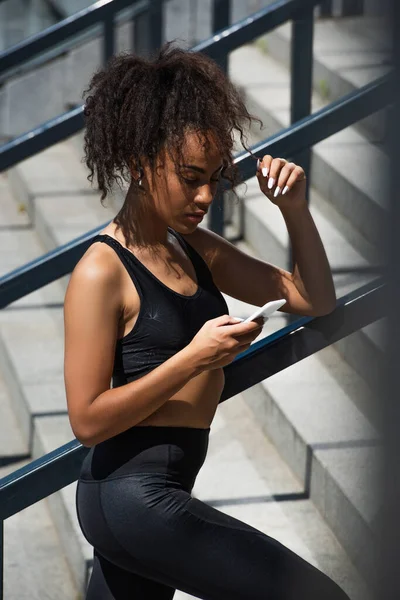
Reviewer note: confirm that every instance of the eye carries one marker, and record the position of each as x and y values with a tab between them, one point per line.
190	181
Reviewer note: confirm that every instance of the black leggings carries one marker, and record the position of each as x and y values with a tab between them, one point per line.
152	537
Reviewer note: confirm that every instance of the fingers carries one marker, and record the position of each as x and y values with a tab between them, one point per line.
281	174
297	174
243	328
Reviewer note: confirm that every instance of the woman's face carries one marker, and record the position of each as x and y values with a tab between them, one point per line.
186	187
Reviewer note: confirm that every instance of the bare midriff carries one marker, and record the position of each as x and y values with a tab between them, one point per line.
194	405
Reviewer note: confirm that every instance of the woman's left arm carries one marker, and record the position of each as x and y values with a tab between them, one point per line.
308	289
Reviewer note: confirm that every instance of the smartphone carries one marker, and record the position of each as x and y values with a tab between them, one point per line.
266	310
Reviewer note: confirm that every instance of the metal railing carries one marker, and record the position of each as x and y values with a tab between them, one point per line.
57	469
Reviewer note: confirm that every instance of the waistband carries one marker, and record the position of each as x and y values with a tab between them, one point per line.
175	452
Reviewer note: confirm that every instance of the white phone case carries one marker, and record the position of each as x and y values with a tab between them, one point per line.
265	311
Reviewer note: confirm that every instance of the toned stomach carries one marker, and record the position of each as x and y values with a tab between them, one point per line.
194	405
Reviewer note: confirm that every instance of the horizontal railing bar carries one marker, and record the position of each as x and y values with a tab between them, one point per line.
264	358
46	39
52	132
40	478
253	26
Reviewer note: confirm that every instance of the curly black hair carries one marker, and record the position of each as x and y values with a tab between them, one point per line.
136	107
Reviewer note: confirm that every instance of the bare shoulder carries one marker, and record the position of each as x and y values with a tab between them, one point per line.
98	272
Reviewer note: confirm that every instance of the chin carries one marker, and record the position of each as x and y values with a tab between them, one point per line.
185	227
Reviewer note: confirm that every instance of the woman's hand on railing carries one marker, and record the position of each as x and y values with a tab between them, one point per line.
283	182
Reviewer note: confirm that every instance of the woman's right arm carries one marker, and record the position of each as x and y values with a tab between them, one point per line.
92	310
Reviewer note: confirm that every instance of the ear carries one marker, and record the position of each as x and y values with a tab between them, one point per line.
137	172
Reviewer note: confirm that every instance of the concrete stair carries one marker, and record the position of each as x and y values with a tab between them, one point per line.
312	428
30	532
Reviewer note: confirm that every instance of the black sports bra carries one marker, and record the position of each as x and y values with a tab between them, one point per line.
167	320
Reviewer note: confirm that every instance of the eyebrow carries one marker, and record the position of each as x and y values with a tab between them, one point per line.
200	170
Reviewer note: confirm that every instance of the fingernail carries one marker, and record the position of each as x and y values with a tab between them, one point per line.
285	189
278	189
258	163
265	171
271	182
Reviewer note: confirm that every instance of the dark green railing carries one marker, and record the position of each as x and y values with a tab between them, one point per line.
306	336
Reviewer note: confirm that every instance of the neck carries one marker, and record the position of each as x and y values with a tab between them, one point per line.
140	225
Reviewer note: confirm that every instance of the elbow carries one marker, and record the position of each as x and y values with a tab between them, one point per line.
325	309
88	442
84	438
83	433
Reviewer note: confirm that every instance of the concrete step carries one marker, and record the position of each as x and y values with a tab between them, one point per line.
330	446
348	53
34	562
341	165
13	445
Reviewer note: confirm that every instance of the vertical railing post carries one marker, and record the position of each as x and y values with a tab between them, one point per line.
301	87
301	76
108	37
148	29
220	19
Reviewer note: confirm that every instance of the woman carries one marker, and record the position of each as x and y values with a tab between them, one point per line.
144	308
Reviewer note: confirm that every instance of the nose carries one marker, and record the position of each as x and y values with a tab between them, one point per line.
204	196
